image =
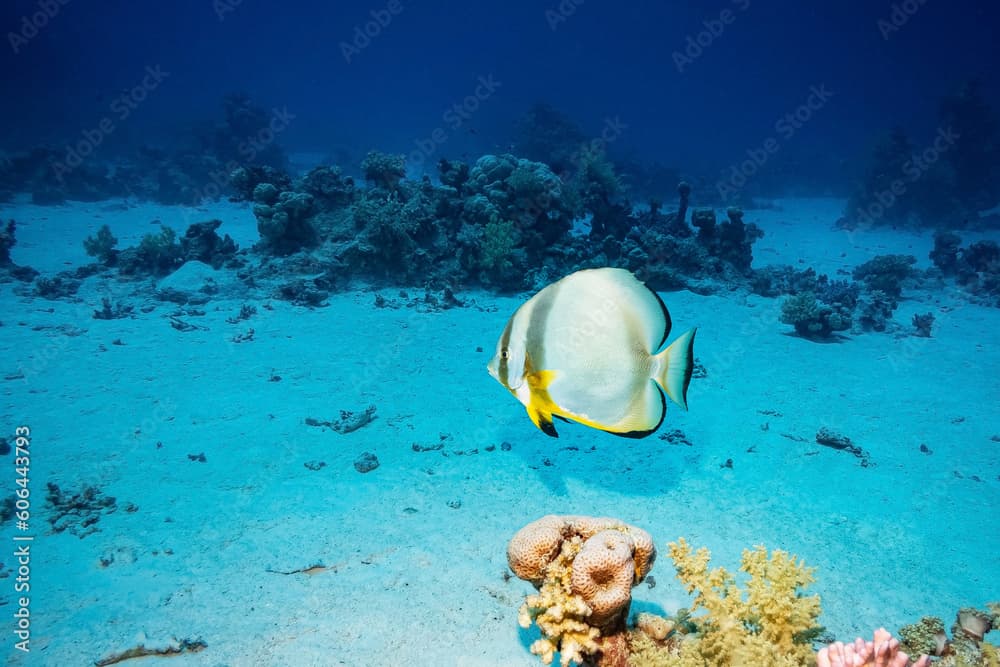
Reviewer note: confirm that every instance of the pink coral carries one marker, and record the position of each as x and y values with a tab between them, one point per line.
883	652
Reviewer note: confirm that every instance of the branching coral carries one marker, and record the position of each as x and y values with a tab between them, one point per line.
284	220
584	569
769	624
875	309
813	319
383	170
102	245
157	254
886	273
499	239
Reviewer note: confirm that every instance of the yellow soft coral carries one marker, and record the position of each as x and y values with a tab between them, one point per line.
560	615
767	625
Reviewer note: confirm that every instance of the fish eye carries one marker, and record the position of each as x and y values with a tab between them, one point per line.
505	354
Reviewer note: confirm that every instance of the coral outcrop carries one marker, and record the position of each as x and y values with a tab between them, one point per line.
101	246
584	569
813	319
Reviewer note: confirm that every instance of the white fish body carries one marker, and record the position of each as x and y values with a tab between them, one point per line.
585	349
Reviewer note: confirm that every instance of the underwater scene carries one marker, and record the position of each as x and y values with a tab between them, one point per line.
505	334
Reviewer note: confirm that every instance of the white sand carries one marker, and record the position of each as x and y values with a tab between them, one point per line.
904	538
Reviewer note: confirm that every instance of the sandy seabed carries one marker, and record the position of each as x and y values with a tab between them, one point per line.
413	552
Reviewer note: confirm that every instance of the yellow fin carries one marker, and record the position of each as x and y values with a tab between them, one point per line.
540	406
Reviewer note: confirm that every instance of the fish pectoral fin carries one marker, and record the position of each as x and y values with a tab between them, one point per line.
540	380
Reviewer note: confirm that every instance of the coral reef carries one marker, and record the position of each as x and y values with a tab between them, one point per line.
979	272
201	243
383	170
584	569
328	188
768	621
886	273
283	219
195	167
504	222
731	241
875	309
157	254
813	319
944	255
244	180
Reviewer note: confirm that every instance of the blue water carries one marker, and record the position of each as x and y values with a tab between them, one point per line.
816	188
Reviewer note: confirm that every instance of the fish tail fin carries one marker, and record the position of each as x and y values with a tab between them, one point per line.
673	367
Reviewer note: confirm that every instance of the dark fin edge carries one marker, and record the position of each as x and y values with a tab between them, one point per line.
638	435
690	366
547	427
666	316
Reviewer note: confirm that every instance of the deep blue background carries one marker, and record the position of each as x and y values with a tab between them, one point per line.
607	59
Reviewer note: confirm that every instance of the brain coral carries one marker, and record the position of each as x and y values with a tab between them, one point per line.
584	569
603	572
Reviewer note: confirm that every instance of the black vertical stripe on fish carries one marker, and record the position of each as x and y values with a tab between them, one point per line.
503	366
536	328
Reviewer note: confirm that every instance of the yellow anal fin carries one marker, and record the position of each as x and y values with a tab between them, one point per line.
540	405
543	421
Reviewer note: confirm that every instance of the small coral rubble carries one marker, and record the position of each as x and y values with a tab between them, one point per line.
79	512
